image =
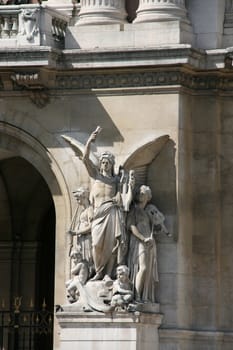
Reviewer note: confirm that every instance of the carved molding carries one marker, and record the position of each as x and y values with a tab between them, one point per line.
39	85
148	79
28	80
39	97
29	23
33	83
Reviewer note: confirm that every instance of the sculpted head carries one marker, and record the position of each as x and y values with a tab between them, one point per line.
81	194
107	162
143	194
76	255
122	273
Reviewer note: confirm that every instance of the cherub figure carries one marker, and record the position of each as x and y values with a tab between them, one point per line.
122	288
80	273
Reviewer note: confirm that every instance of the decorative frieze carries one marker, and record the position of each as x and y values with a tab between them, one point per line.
102	12
145	80
39	91
160	10
34	83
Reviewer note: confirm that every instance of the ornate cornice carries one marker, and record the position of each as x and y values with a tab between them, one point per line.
39	83
142	79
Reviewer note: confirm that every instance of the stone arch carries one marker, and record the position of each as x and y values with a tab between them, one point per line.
14	140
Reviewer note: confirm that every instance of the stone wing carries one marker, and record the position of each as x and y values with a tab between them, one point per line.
78	148
142	157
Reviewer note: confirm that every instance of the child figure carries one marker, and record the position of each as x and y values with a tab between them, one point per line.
80	272
122	288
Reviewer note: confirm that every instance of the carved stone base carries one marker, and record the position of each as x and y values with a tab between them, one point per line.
118	330
130	35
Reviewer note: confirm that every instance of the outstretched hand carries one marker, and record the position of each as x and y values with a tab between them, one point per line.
94	134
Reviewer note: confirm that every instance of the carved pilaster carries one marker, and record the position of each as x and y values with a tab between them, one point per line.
161	10
102	12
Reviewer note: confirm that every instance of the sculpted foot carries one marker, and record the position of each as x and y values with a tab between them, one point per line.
97	277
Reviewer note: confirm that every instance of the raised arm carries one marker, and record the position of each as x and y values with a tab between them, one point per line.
90	166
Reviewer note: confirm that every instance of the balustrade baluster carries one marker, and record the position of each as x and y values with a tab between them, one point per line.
14	28
6	27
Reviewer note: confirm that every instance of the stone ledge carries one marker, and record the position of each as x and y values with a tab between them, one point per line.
132	57
125	331
65	317
28	56
163	55
177	333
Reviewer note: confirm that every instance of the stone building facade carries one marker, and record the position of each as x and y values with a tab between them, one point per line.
145	71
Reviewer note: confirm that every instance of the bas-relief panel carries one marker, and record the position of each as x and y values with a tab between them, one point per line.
113	233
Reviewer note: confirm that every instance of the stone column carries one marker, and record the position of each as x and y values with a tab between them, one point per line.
63	6
102	12
160	10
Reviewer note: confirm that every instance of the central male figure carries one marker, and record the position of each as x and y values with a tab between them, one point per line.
108	231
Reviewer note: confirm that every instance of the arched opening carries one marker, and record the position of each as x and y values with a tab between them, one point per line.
27	244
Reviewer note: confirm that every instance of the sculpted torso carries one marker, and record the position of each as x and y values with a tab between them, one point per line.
103	189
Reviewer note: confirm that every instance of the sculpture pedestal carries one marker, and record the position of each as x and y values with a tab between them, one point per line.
113	331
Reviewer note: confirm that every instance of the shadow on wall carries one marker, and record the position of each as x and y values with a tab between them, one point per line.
86	112
162	180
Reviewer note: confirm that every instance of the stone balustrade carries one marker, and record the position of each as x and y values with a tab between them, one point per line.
102	12
9	25
160	10
58	29
31	25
